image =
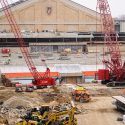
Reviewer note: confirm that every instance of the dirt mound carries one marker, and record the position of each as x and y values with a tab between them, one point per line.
15	101
17	106
3	120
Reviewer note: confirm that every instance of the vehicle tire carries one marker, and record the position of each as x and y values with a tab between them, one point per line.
81	100
110	84
85	98
119	119
118	109
73	98
35	87
104	82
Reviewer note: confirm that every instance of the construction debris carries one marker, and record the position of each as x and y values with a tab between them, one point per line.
16	106
60	115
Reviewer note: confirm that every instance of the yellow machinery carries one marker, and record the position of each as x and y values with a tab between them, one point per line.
80	94
52	118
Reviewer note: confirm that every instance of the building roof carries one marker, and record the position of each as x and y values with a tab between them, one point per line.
24	3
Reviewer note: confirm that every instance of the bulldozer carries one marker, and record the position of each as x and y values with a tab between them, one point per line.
48	117
81	95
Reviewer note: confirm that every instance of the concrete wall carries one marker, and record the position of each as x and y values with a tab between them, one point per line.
53	15
122	26
73	80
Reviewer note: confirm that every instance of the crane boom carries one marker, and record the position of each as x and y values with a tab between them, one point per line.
115	62
18	35
39	80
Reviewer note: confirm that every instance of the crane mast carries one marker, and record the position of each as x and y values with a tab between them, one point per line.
39	80
114	64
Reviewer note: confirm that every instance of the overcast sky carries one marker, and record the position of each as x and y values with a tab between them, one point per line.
117	6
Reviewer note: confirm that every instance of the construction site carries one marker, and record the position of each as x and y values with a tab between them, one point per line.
61	63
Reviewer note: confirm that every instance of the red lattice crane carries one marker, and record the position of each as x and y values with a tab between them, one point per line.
39	80
114	64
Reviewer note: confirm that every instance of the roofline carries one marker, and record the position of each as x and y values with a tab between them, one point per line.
28	0
78	6
82	5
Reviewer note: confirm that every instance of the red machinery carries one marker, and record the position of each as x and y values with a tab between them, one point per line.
5	51
39	80
114	64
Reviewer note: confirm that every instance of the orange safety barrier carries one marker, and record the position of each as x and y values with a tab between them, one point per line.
52	74
27	74
89	73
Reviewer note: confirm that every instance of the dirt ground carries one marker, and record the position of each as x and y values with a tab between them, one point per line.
99	110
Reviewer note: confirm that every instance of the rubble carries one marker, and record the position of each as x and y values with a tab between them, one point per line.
3	120
16	107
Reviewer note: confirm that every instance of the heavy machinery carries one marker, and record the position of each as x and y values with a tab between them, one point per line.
46	117
29	88
24	88
114	74
5	51
39	80
20	88
81	95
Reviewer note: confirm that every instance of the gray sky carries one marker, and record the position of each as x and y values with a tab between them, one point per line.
117	6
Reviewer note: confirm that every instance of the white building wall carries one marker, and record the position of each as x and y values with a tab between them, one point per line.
122	26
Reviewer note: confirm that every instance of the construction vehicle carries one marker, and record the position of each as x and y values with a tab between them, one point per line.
49	118
5	51
39	80
81	95
29	88
114	74
20	88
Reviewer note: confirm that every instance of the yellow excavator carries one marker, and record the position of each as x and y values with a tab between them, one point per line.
51	118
